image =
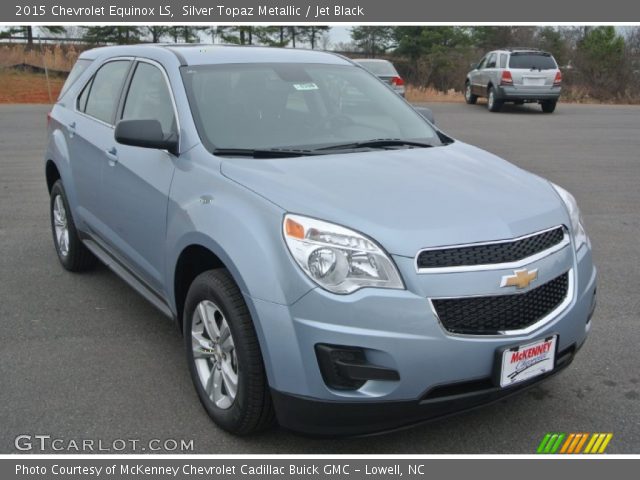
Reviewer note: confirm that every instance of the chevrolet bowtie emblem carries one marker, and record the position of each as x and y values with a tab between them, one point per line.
520	278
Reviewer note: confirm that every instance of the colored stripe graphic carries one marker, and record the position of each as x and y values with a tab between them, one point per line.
573	443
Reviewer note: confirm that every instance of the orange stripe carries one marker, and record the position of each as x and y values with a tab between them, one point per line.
567	442
575	442
584	439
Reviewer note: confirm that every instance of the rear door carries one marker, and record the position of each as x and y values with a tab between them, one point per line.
136	181
477	78
90	136
532	70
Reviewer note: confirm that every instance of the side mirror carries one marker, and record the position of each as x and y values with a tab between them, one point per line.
146	134
473	66
426	113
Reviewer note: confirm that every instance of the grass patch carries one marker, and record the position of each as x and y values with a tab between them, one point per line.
22	87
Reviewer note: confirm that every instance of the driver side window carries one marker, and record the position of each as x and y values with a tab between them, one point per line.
491	62
149	98
482	63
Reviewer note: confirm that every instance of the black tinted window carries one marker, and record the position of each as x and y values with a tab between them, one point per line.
105	90
77	70
378	67
533	61
149	98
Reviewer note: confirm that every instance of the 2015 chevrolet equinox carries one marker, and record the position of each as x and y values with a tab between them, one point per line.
333	259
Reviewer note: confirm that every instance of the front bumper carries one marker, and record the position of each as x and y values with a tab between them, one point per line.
515	93
324	418
398	330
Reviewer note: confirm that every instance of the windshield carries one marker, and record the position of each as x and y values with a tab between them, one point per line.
297	106
532	61
379	67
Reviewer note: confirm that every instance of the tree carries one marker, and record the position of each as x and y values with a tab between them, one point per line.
26	31
373	41
186	33
156	32
600	59
417	41
121	35
490	38
312	34
552	40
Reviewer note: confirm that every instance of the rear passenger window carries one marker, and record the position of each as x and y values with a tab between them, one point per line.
82	99
104	91
149	98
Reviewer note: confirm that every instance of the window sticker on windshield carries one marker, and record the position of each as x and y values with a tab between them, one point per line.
305	86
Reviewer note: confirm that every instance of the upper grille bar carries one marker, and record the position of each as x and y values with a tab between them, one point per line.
493	255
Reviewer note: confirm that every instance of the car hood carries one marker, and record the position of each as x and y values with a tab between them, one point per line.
411	198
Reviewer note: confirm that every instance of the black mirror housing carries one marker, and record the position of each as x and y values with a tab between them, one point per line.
146	134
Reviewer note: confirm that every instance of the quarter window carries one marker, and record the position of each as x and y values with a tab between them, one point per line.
104	91
149	98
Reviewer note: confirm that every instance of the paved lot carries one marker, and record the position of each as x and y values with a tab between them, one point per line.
83	356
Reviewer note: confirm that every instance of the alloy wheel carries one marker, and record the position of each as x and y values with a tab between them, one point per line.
214	354
61	226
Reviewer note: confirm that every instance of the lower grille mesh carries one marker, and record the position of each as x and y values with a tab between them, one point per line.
494	314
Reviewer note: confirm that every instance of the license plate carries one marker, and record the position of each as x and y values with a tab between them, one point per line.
533	81
524	362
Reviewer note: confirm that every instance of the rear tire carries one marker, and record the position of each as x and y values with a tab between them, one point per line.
469	97
72	253
224	356
548	106
493	104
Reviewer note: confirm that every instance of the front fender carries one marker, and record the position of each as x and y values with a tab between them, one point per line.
241	228
57	151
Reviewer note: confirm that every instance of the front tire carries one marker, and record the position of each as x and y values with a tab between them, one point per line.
72	253
493	104
548	106
224	356
469	97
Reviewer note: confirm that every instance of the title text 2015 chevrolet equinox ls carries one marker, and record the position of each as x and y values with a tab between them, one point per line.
334	261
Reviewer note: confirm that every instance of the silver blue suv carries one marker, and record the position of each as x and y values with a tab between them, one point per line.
517	75
333	260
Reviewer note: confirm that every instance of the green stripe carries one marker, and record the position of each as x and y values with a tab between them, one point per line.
543	443
558	443
550	443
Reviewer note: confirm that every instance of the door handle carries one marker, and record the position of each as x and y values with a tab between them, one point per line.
72	129
112	155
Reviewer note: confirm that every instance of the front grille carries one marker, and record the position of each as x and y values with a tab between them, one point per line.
499	313
491	253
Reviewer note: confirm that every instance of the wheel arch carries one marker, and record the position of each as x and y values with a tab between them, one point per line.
52	174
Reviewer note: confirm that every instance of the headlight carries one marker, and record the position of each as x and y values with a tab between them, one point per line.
336	258
577	223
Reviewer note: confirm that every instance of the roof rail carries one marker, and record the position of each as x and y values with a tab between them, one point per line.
527	49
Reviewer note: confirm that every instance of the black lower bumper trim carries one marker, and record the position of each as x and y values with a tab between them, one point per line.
326	418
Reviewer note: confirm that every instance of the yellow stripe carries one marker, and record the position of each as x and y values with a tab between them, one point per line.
582	440
607	439
591	442
596	445
575	442
567	442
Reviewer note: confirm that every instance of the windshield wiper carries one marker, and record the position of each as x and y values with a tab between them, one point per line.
377	143
262	152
